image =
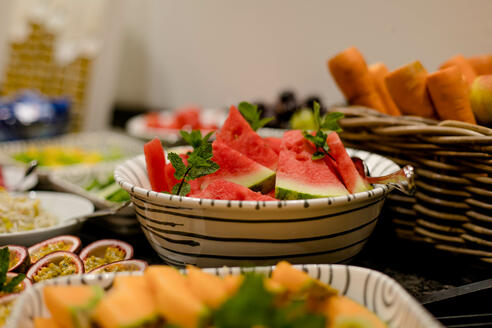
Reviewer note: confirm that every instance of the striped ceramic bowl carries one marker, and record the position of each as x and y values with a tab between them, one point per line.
376	291
209	233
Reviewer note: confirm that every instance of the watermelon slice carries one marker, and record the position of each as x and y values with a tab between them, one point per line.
156	163
238	168
299	177
274	143
223	189
345	166
238	135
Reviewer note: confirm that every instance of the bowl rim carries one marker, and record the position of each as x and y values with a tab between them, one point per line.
178	202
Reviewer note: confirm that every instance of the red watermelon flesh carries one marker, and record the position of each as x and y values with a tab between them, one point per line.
346	168
274	143
238	135
156	163
239	168
171	180
299	177
223	189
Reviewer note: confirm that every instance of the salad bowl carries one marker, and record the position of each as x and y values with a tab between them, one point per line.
209	233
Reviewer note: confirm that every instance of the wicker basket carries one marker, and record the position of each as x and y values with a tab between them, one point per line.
452	208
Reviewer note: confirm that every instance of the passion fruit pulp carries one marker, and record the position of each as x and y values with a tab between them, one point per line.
66	243
105	251
122	266
19	260
56	264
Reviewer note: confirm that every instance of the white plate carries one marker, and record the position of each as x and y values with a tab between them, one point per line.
12	175
103	142
64	206
378	292
138	128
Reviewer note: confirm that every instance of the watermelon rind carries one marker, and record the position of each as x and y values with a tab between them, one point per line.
291	190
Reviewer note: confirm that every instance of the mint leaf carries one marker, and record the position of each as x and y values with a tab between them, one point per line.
4	264
252	115
199	161
178	165
10	286
330	121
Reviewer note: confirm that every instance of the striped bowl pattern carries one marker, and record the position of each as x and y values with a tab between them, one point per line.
379	293
210	233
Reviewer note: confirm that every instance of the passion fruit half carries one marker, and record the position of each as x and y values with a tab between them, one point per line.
105	251
122	266
66	243
56	264
19	261
26	283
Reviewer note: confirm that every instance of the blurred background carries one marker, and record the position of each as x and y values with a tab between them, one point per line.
108	60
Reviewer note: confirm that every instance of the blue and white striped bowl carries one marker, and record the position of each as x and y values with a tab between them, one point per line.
210	233
376	291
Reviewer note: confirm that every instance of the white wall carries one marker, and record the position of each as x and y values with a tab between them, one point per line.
217	52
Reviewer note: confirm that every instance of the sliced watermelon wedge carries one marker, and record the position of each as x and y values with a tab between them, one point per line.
239	168
223	189
345	166
238	135
274	143
299	177
156	163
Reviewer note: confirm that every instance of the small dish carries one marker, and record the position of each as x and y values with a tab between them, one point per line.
378	292
137	126
62	205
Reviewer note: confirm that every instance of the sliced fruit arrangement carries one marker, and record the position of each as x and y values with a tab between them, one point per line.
163	296
300	165
105	251
56	264
184	118
120	266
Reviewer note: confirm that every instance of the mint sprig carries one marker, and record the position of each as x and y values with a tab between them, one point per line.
253	115
328	123
199	162
7	286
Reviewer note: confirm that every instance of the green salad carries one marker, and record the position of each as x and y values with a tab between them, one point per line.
107	189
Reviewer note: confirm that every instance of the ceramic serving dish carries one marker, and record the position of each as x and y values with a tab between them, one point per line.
379	293
63	206
112	145
209	233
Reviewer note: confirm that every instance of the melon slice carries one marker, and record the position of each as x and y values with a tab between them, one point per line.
209	288
343	312
274	143
156	162
70	306
45	323
238	135
299	177
345	166
291	278
175	301
222	189
118	309
238	168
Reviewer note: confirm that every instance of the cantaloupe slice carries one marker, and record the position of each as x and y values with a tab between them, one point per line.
125	307
45	323
342	311
232	283
294	280
175	301
210	289
70	306
132	282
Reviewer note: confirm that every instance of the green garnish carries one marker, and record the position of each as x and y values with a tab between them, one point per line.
199	161
7	286
328	123
257	307
252	115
